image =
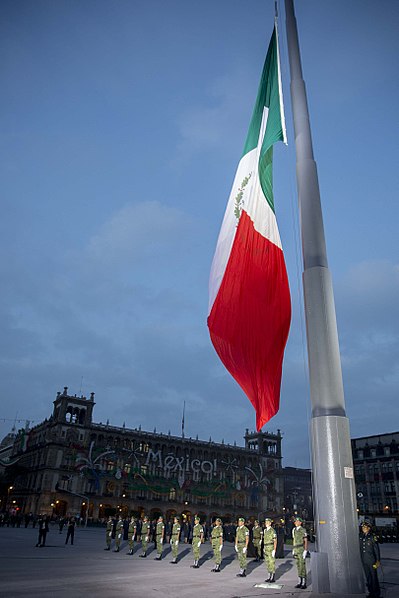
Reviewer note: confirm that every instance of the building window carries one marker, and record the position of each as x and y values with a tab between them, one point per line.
172	494
387	451
373	452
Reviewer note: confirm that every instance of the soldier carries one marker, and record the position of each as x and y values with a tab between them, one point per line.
269	549
217	544
174	539
145	536
198	538
131	534
257	540
108	533
300	550
159	537
118	533
370	555
241	545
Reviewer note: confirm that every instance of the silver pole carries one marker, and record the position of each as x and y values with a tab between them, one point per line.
336	564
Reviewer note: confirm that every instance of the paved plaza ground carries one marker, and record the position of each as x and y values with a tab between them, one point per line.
86	570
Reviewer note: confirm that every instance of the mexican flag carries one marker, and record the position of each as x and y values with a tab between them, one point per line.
249	299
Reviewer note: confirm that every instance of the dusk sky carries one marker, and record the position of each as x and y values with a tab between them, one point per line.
122	124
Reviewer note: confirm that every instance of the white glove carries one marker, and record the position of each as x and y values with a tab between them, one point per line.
236	547
171	542
273	553
199	543
221	547
119	535
177	542
293	553
305	552
110	534
244	549
146	538
161	541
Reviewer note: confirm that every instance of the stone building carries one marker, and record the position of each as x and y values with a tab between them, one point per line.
376	461
69	465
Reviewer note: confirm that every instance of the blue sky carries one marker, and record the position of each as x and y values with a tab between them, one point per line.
122	124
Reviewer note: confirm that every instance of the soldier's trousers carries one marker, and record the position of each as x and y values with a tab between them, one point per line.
217	555
258	548
300	564
242	556
196	549
372	582
144	543
108	538
131	541
118	539
175	548
270	562
159	546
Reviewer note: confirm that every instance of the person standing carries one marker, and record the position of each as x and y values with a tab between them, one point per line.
145	536
131	532
160	531
108	533
241	546
43	531
71	530
300	550
174	539
370	556
257	540
118	533
269	549
280	531
198	538
217	544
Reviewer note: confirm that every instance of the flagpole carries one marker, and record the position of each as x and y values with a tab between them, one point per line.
336	563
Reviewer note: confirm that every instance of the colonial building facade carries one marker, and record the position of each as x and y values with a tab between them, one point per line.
69	465
376	461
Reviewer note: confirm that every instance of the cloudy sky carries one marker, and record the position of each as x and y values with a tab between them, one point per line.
122	124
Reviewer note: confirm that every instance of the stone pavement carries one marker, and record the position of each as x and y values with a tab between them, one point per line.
86	570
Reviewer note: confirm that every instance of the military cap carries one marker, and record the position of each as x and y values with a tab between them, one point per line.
256	521
366	523
298	519
268	519
197	517
241	519
218	520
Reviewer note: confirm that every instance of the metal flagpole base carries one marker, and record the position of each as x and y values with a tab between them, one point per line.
336	518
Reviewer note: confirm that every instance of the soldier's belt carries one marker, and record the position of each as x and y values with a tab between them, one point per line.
241	542
298	546
268	544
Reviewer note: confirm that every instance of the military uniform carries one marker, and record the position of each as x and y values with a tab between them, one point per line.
131	534
198	534
269	550
119	534
257	540
241	546
145	536
174	540
108	533
160	530
217	544
370	555
299	550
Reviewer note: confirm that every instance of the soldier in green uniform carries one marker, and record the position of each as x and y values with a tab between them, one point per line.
370	555
257	540
217	544
174	539
269	549
300	550
241	545
198	536
145	536
108	533
131	534
160	530
119	533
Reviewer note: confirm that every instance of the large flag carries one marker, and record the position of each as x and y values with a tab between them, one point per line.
249	299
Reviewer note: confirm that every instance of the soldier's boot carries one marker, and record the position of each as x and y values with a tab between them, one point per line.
159	557
299	585
240	574
269	578
272	578
217	569
116	549
196	564
173	562
108	548
304	586
143	555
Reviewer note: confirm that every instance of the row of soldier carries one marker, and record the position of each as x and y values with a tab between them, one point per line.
264	540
